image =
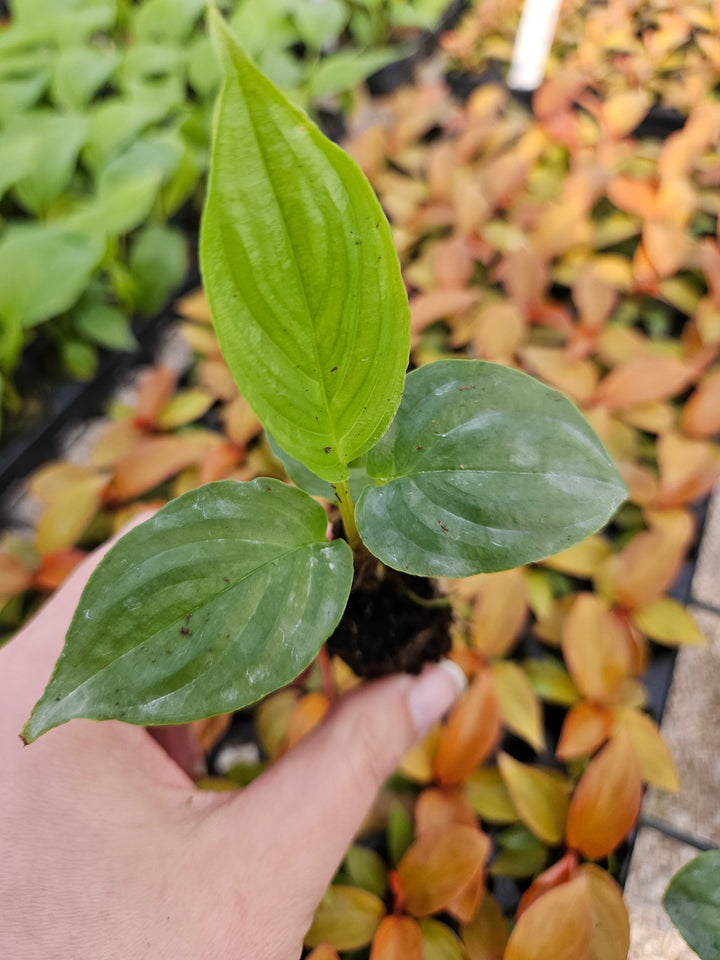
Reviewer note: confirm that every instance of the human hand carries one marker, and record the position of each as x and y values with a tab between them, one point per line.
111	853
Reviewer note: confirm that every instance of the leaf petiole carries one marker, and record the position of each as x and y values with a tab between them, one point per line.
347	512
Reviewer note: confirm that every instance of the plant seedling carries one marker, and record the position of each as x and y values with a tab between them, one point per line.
463	466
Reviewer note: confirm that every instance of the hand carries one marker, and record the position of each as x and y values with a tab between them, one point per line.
111	853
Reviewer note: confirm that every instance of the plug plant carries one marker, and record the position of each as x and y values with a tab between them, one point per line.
462	466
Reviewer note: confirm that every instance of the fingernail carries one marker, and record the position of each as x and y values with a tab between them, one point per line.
433	693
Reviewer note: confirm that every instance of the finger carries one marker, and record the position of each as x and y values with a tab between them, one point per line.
305	810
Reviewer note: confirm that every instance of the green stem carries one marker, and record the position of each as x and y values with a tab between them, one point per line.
347	512
431	603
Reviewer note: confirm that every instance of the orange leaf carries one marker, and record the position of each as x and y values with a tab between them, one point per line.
116	441
452	263
194	306
471	731
558	926
220	462
667	246
15	576
701	416
653	754
540	797
201	340
668	622
323	952
397	938
606	801
707	318
644	379
156	388
559	873
56	567
417	764
622	112
426	308
585	728
520	707
346	919
594	648
439	865
68	516
306	715
156	459
524	275
610	923
463	907
239	420
485	936
500	611
688	469
499	329
632	196
54	480
576	378
437	808
594	296
710	263
647	566
215	376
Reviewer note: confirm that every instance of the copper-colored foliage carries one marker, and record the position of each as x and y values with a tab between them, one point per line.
439	866
485	936
56	567
606	802
471	732
541	934
540	797
585	728
323	952
435	808
594	648
397	938
156	389
15	576
560	872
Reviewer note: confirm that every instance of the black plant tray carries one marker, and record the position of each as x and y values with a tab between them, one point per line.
65	402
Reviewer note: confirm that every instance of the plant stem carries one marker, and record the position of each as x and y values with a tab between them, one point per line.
430	603
347	512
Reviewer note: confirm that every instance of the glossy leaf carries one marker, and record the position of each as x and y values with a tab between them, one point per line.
611	925
346	919
540	934
471	731
439	865
307	299
540	797
606	801
397	938
221	597
692	901
483	469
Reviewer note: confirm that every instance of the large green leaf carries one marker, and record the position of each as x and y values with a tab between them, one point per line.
44	269
301	274
692	901
483	468
224	595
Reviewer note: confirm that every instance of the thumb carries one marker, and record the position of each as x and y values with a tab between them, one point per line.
306	810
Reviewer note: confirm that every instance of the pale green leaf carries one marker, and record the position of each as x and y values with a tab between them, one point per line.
43	270
346	69
223	596
483	469
78	74
301	274
158	262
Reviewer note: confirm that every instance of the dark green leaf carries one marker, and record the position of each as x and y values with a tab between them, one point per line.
223	596
301	274
79	359
484	468
692	901
43	270
344	70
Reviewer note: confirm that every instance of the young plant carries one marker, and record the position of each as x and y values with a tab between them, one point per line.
463	466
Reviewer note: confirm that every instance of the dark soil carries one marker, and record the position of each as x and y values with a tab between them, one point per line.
386	627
